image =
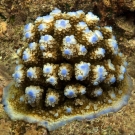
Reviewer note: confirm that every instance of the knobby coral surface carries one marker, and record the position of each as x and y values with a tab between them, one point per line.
71	68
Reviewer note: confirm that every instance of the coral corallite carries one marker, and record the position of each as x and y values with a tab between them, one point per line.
71	69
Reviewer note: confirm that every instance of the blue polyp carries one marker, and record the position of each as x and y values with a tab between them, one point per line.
18	67
63	23
79	77
68	39
103	51
63	71
41	27
114	44
99	93
46	38
87	30
94	38
52	99
47	70
100	71
45	123
38	18
124	70
31	94
71	93
30	74
25	56
84	66
56	11
27	27
82	23
90	13
16	75
68	110
100	75
22	99
72	13
121	76
67	52
47	17
51	80
83	49
113	79
27	35
99	33
42	47
31	45
79	11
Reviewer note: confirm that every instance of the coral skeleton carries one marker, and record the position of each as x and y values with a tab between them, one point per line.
70	69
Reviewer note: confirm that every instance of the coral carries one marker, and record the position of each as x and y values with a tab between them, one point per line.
69	69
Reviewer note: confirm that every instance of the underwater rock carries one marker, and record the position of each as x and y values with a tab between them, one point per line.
71	69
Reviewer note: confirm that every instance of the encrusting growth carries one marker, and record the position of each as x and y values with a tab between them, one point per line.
71	69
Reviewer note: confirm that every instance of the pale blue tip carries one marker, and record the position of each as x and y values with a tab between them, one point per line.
51	80
82	24
85	67
42	47
28	35
67	52
100	71
27	27
30	74
31	94
87	30
70	93
79	77
64	72
94	39
47	17
22	99
32	45
114	44
98	92
56	11
103	51
68	39
83	49
25	56
63	23
68	110
100	74
51	99
47	70
17	75
112	80
46	38
41	27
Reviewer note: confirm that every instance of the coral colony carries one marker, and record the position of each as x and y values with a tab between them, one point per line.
71	69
